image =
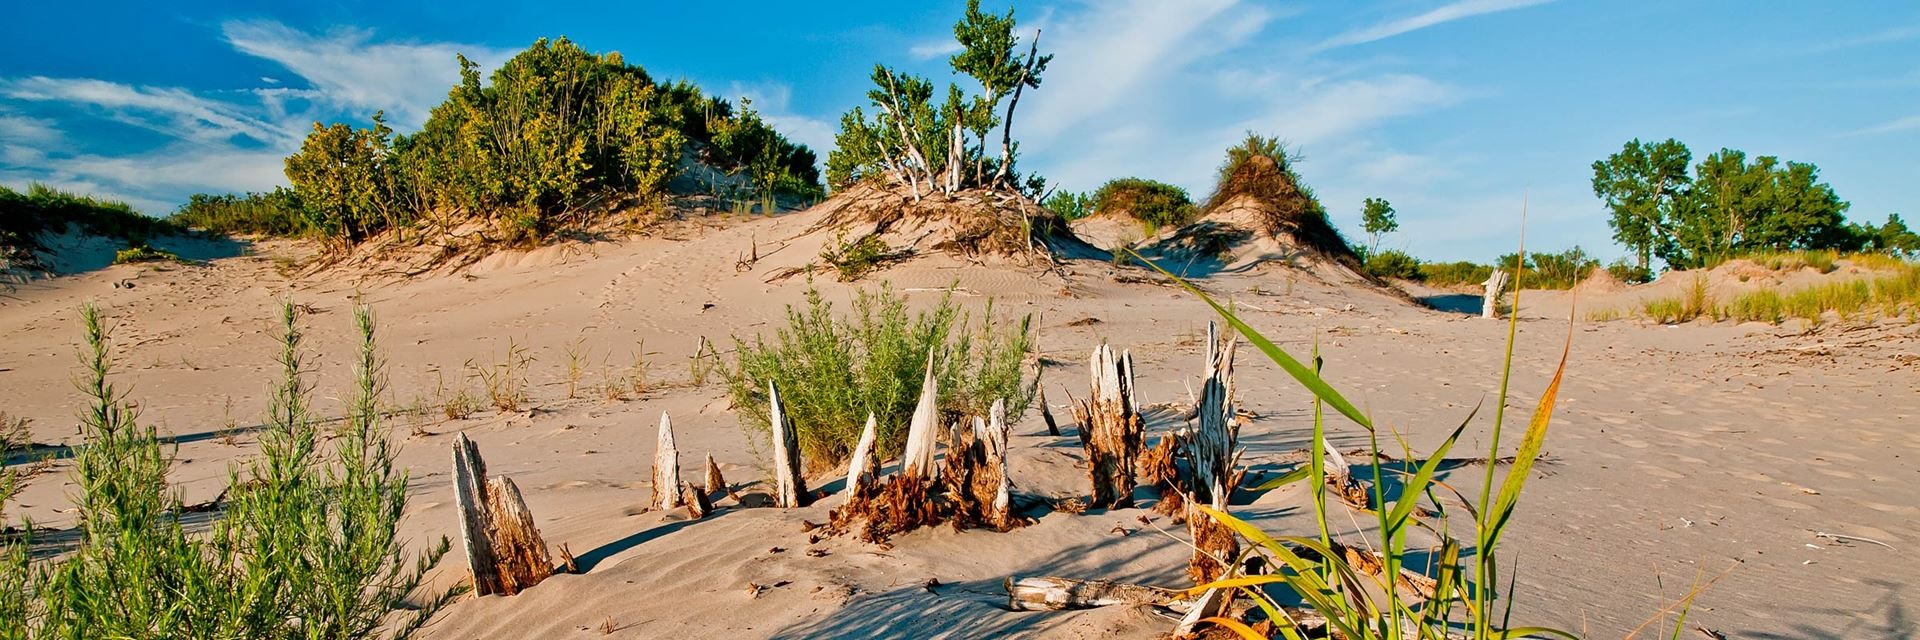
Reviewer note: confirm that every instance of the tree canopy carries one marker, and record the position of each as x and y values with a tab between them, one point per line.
944	147
1377	218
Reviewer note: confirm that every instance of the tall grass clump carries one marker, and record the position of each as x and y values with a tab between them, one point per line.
1687	307
835	370
1313	570
307	546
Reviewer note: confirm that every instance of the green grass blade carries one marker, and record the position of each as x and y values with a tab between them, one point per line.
1530	446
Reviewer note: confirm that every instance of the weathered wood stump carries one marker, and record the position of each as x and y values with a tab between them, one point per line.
1490	302
1111	429
917	458
716	483
505	553
790	484
666	468
865	461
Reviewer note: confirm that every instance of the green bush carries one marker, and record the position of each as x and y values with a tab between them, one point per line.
142	253
1070	205
1629	273
1393	263
307	547
1155	204
834	371
1446	274
854	259
273	213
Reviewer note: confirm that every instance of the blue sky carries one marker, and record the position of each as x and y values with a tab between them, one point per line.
1451	109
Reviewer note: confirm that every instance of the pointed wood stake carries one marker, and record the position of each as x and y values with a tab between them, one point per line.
790	485
861	468
917	459
666	468
716	483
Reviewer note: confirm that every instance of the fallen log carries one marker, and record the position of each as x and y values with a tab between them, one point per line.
1042	593
790	485
666	468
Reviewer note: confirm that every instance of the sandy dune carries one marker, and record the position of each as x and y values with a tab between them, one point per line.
1676	451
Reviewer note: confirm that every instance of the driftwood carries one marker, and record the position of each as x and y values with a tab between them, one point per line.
505	553
1340	479
1211	604
865	461
917	458
790	485
1490	302
1112	429
716	483
666	468
1057	594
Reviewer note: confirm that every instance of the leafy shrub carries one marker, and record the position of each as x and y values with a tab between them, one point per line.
142	253
1070	205
855	258
1155	204
273	213
308	546
1629	273
1393	263
1445	274
834	371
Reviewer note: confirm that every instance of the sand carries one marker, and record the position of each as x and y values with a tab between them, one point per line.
1675	451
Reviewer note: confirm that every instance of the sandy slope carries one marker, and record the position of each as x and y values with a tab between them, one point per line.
1676	449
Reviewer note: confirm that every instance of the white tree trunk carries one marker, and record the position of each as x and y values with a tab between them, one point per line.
790	485
917	459
1490	303
861	468
666	468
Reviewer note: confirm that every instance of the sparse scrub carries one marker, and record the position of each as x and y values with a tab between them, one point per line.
576	365
834	371
140	253
636	374
1696	302
1393	263
505	381
1859	300
1445	274
457	403
700	367
308	545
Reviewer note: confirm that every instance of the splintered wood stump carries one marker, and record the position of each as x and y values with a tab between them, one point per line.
518	550
1112	429
505	553
978	489
1490	302
865	460
917	458
790	485
716	483
1042	593
666	468
695	497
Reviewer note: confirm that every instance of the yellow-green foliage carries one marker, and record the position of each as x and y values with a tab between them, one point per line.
834	371
855	258
1858	299
1696	302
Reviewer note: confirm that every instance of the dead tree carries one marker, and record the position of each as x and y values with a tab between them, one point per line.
1490	302
505	553
917	458
666	468
790	485
865	461
1111	428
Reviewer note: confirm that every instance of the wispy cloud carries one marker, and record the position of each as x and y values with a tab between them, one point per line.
1437	16
1897	125
170	111
1894	34
354	72
934	49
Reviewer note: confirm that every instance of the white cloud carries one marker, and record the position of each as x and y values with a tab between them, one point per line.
934	49
28	130
353	72
1318	111
170	111
1439	15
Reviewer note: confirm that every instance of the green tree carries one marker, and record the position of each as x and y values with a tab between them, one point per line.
1070	205
1642	185
1736	206
1378	219
912	140
340	177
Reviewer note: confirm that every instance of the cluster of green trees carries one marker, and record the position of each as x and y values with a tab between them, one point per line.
1727	206
270	213
556	134
945	146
